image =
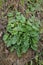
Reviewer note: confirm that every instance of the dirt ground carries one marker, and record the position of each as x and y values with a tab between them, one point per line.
7	58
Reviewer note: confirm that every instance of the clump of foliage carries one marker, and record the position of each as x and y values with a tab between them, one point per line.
21	34
33	6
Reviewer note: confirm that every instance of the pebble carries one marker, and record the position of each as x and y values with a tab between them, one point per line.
1	34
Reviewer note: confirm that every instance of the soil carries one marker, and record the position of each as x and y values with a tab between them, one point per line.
6	57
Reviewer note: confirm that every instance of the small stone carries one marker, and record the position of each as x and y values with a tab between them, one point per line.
1	34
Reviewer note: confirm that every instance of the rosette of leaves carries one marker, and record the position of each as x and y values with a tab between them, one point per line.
21	34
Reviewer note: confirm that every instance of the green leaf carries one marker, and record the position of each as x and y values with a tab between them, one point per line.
12	48
34	47
14	39
5	37
9	43
35	28
24	49
29	23
18	43
18	51
10	14
23	20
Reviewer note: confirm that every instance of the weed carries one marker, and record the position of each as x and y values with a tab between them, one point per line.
21	34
